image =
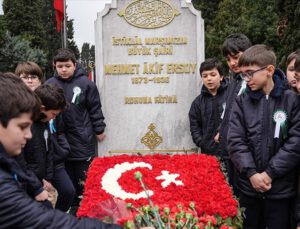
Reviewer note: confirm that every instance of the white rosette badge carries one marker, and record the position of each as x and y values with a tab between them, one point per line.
76	95
280	118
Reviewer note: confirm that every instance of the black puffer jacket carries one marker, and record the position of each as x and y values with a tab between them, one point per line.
83	119
38	152
18	210
252	145
233	90
205	118
61	147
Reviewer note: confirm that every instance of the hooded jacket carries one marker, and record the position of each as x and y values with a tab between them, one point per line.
83	118
205	118
254	145
38	152
61	147
18	210
233	89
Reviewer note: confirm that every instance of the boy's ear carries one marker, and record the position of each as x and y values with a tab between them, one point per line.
42	108
271	70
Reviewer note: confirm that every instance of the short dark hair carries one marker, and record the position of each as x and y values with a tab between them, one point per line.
292	56
64	54
260	55
297	64
235	43
210	64
51	96
16	98
30	68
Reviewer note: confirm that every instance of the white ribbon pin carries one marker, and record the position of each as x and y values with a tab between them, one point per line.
76	92
46	135
279	118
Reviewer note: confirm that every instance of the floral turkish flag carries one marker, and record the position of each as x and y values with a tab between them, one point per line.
169	180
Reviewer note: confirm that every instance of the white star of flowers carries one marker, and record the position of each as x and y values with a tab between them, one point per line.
168	179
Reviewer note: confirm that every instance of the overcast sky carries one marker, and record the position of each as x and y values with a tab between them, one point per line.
84	13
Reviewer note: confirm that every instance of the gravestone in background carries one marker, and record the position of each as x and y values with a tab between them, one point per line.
147	61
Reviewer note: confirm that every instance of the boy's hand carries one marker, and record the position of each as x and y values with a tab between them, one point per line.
47	185
267	179
258	183
42	196
101	137
217	138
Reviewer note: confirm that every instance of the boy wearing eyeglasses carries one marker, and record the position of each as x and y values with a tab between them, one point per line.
31	74
264	141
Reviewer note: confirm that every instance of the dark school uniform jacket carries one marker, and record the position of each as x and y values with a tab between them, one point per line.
205	117
18	210
38	152
253	145
233	89
61	147
83	118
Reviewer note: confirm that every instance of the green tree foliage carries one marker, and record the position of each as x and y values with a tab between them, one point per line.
260	21
52	37
70	41
34	21
16	49
24	18
288	28
209	9
2	30
87	56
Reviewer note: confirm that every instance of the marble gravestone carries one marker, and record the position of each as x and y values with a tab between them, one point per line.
147	71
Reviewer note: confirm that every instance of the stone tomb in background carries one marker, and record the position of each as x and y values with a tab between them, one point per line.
147	60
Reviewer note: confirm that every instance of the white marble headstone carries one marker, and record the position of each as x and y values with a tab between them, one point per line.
147	71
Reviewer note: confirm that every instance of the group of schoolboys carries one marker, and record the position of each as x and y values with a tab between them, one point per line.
35	156
251	120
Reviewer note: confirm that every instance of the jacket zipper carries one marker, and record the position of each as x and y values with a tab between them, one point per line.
266	124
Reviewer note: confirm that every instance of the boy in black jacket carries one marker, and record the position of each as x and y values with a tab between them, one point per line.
206	110
297	86
83	120
264	141
233	48
18	106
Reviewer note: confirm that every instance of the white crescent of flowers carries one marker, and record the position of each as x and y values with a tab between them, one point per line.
110	183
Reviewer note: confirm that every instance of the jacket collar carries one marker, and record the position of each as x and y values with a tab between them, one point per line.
223	86
279	86
10	164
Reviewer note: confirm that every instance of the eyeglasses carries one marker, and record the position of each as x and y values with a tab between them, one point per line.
249	75
27	77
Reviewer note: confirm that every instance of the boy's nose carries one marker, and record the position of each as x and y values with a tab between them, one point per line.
28	134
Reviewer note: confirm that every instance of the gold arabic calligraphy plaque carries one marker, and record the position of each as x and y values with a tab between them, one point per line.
151	139
149	14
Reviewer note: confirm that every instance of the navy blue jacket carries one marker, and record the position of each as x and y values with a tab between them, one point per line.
252	145
18	210
233	89
83	119
205	118
38	152
61	147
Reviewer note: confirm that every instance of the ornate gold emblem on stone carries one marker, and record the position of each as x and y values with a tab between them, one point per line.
149	14
151	139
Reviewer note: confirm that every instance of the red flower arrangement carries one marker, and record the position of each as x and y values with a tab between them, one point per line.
169	180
